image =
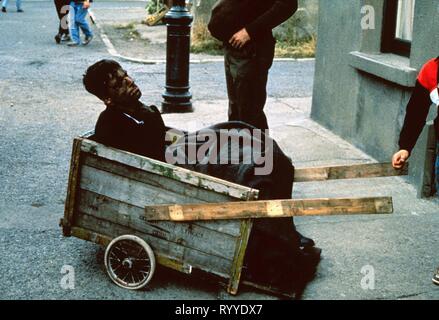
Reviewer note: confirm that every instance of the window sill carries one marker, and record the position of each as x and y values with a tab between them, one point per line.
387	66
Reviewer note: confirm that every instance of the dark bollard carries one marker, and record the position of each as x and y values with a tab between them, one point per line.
177	97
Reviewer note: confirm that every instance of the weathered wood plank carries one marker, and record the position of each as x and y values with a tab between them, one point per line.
269	209
161	182
195	258
189	177
105	241
139	194
186	234
88	134
238	261
124	189
367	170
72	187
191	193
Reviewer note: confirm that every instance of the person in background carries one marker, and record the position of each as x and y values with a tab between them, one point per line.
17	3
78	16
425	94
245	28
62	9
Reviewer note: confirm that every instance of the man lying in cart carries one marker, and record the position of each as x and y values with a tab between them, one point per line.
277	254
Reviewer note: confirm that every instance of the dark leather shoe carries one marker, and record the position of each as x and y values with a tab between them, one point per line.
58	38
305	242
87	40
66	37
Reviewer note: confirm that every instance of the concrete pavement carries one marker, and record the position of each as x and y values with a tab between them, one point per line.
43	106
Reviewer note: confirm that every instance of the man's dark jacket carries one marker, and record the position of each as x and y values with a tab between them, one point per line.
258	17
142	132
273	257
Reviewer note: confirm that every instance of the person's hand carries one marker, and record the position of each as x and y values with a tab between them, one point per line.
400	158
86	4
239	39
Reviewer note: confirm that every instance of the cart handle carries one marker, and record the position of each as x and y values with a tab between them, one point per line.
355	171
269	209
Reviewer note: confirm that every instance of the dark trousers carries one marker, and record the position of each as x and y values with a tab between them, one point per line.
246	76
62	15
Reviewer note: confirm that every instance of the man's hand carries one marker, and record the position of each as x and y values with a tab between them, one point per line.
239	39
400	158
86	4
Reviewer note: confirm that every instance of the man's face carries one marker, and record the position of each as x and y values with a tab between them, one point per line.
121	88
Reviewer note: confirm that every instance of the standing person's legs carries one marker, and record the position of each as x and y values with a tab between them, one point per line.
74	28
81	21
264	60
58	6
62	10
64	18
5	4
241	72
18	4
247	75
236	69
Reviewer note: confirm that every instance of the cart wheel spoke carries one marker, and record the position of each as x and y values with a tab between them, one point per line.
130	262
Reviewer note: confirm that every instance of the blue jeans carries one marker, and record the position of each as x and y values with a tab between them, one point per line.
78	16
17	3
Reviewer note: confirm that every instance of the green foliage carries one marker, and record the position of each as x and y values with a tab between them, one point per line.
209	46
154	6
203	42
301	49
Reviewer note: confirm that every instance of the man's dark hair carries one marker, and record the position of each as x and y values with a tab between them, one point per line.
96	77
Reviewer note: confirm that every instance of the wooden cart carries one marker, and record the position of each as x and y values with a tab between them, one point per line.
114	200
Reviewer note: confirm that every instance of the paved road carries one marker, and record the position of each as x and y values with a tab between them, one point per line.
42	107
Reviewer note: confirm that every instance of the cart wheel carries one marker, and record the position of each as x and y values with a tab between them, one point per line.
130	262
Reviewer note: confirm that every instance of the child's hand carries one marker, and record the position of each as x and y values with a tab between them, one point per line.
400	158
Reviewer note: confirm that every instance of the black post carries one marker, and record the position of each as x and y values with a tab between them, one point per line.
177	97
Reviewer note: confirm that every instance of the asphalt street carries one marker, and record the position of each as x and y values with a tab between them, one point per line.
43	106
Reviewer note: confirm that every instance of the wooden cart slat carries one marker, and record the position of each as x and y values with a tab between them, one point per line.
220	244
188	177
153	180
167	189
366	170
269	209
197	259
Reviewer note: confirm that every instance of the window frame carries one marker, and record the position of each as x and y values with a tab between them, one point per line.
389	42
